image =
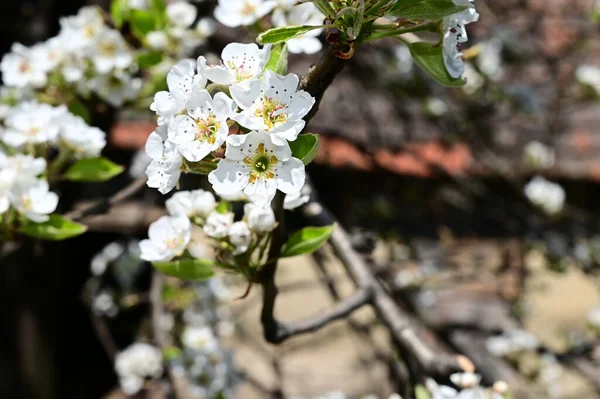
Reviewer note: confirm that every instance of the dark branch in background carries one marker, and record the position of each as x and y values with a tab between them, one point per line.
104	205
163	339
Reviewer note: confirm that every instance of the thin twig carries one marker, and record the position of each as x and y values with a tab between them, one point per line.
103	205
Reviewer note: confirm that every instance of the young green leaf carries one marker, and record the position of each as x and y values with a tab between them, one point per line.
280	35
305	147
117	12
187	269
425	9
278	62
143	21
307	241
430	59
93	170
57	228
149	59
224	207
77	108
201	167
421	392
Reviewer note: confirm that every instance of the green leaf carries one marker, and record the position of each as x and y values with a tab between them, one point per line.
57	228
187	269
149	59
425	9
305	147
430	59
278	62
279	35
307	241
93	170
77	108
143	21
421	392
201	167
117	11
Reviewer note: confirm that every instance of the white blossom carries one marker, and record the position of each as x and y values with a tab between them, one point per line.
293	201
259	168
301	14
116	88
47	55
181	14
217	224
191	203
546	195
20	69
203	128
465	380
167	239
539	155
274	105
234	13
200	339
198	246
489	60
164	170
455	34
242	63
260	220
135	363
32	122
157	40
33	199
78	31
82	139
240	237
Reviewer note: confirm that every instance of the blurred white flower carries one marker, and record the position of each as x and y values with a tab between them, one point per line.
589	75
275	106
78	31
47	55
199	247
20	69
191	203
547	195
539	155
593	317
168	237
293	201
139	162
79	137
436	106
157	40
261	220
259	168
511	342
217	224
116	88
240	237
489	60
474	80
181	14
104	305
200	339
136	363
32	199
465	380
32	122
233	13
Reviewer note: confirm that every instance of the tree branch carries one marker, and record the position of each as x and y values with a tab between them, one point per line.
103	205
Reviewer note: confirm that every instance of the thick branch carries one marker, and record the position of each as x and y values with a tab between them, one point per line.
163	339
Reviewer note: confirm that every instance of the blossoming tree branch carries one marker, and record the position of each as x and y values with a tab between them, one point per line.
242	120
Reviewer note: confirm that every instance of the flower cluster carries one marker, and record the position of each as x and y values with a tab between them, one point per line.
135	363
455	34
539	155
86	56
30	132
181	34
233	13
206	321
195	219
193	124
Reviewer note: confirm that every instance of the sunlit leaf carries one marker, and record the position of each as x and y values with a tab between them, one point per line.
307	241
57	228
